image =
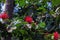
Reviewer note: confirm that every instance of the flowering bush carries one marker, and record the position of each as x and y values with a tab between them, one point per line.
25	28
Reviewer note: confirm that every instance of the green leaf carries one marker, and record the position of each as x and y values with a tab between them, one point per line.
24	32
42	24
22	3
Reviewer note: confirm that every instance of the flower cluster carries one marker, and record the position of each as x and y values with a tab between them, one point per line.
56	35
4	15
28	19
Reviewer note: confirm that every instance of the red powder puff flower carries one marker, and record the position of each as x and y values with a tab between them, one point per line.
56	35
28	19
4	15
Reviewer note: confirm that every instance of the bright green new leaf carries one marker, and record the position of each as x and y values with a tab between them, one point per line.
42	24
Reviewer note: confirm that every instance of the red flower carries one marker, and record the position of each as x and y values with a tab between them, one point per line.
55	35
4	15
28	19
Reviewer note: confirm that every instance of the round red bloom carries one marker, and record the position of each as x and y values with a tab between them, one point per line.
4	15
28	19
56	35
